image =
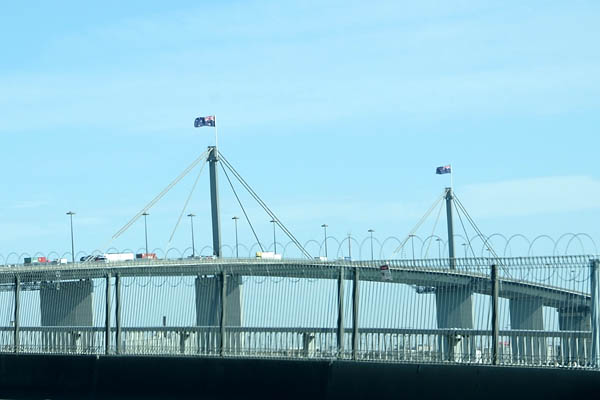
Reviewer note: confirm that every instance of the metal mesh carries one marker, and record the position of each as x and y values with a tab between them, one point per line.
434	310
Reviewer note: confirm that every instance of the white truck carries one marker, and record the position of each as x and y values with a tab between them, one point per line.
118	257
268	255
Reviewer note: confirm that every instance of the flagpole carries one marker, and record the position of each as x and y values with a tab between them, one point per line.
451	179
216	136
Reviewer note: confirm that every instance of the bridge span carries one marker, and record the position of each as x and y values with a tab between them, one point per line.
507	311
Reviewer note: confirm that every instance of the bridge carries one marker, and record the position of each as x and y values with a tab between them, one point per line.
552	320
498	311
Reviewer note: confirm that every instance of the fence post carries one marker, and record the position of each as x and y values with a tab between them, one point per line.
495	332
222	320
17	310
107	321
118	311
340	322
595	289
355	294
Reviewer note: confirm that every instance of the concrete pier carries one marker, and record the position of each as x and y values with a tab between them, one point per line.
67	303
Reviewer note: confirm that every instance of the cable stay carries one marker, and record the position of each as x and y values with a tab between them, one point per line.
437	219
458	209
418	225
481	235
264	206
242	207
187	201
161	195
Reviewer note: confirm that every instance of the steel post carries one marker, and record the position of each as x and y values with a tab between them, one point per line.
355	299
118	312
107	320
213	158
222	320
17	311
449	198
595	289
340	321
193	242
495	331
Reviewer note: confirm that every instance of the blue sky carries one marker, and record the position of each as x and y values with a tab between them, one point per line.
335	112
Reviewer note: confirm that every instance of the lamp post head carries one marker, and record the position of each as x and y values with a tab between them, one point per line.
235	218
145	214
371	230
324	226
191	215
273	221
70	213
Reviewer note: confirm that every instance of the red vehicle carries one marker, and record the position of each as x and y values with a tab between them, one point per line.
148	256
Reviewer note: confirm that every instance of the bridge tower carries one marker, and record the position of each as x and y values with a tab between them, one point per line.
449	198
213	159
454	303
209	289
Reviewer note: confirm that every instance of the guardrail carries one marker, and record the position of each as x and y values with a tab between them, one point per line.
516	347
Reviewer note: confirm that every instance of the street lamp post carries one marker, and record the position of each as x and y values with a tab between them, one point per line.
324	226
464	245
371	232
70	214
191	215
235	220
349	247
274	238
412	245
439	247
145	214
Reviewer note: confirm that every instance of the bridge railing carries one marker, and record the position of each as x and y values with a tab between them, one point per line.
516	347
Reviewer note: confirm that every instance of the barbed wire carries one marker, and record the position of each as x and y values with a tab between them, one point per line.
358	248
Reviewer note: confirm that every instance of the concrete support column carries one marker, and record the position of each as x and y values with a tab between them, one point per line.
208	301
66	303
526	313
454	307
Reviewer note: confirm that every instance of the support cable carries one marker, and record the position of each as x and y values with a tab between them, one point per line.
465	232
265	207
242	207
187	201
160	196
437	219
423	218
483	238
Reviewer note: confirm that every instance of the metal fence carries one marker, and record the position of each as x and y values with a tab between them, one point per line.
504	311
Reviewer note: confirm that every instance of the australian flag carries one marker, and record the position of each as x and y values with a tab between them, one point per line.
204	121
446	169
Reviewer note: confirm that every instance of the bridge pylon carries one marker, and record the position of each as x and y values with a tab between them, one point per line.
213	159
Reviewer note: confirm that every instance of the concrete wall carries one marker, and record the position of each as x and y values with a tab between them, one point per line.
113	377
